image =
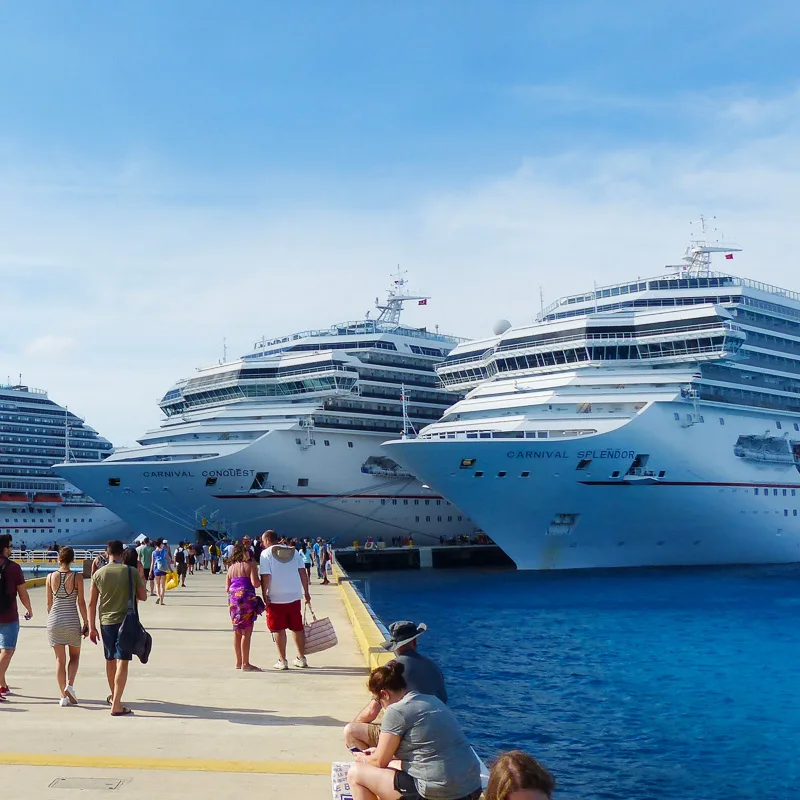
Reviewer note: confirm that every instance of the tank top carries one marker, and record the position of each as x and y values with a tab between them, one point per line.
63	617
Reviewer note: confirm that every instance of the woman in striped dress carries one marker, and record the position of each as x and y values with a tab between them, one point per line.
65	598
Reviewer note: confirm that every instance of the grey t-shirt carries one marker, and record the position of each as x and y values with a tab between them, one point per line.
433	748
422	675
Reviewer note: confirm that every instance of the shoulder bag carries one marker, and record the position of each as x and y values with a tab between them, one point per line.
133	638
320	634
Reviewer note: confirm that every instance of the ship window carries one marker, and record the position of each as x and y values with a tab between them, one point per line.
525	475
676	415
778	425
794	512
755	491
427	519
326	442
383	502
438	519
775	492
615	473
479	474
416	502
349	444
113	481
784	492
466	463
210	481
501	474
785	512
416	519
394	502
460	518
661	473
302	481
721	420
428	502
796	427
583	463
405	502
297	441
793	492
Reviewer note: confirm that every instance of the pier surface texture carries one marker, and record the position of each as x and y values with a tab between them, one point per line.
200	728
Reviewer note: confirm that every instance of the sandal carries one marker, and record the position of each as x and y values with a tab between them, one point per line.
124	713
109	699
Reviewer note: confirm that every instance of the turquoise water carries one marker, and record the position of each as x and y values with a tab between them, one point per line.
680	683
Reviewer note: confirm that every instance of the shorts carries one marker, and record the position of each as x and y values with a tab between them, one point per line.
404	784
9	633
111	646
181	569
373	734
281	616
159	573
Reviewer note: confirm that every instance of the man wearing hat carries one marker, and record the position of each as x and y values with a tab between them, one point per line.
421	674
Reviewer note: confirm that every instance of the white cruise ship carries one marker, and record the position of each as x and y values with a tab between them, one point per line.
289	437
654	422
36	505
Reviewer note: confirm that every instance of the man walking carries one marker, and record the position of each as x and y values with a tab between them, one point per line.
421	675
318	556
111	592
145	551
12	586
284	583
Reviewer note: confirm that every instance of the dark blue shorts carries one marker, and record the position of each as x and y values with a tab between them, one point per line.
111	646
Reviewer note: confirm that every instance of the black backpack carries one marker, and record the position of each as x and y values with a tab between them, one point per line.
6	598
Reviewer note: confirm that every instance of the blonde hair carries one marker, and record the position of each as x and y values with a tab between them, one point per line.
517	770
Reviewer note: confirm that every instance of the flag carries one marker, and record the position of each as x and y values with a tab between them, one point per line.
729	256
423	302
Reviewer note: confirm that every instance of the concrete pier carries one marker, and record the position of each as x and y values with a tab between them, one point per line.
200	728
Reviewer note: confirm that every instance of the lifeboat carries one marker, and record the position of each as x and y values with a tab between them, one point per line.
42	497
13	497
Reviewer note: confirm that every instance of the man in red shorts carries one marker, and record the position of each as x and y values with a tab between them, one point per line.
284	583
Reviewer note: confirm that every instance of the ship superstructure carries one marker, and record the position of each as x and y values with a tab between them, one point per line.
36	505
289	436
653	422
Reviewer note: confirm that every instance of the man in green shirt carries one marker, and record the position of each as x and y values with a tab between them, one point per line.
145	551
111	589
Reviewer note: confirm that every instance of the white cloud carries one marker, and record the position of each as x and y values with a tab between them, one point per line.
115	287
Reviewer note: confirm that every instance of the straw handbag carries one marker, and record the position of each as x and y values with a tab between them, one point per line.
320	634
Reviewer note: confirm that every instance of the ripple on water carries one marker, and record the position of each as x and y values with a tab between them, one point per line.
627	684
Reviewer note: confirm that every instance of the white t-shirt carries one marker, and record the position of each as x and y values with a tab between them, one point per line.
283	563
228	551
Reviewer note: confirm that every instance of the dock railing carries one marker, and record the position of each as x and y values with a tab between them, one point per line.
51	556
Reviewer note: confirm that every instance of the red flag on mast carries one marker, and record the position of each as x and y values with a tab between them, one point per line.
729	256
423	302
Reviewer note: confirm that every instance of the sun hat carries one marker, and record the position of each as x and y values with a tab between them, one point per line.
402	633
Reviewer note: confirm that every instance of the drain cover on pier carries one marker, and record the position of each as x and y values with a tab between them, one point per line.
98	784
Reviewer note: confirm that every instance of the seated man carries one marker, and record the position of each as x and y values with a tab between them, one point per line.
421	675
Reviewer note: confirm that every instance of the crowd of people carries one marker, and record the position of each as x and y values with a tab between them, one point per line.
405	743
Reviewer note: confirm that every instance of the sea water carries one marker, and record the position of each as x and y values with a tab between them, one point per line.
629	684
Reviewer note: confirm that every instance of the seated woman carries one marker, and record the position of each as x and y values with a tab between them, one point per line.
245	606
517	776
422	751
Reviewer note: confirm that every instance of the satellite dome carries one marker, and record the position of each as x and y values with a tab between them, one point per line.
501	326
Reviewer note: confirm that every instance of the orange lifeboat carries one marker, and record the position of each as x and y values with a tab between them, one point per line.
41	497
13	497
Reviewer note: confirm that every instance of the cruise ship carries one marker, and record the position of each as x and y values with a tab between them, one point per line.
289	437
36	505
654	422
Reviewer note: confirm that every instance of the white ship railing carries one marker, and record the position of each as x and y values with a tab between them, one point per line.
34	557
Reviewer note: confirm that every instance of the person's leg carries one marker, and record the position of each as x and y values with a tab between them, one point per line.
237	648
246	638
300	642
161	583
5	660
280	643
111	672
120	680
74	663
371	783
61	667
152	584
357	734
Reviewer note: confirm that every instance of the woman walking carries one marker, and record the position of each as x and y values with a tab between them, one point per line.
160	570
65	599
245	606
131	559
306	553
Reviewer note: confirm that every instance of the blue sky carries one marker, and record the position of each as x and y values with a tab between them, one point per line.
172	173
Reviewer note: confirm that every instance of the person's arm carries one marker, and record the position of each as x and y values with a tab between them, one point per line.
370	712
49	589
304	580
254	575
82	600
25	598
228	581
265	581
94	565
94	596
383	753
141	589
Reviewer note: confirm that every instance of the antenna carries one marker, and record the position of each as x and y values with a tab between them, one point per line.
390	310
541	299
224	349
697	258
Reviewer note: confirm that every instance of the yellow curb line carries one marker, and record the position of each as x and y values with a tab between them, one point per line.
167	764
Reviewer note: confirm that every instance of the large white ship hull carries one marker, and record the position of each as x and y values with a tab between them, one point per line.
711	506
315	490
75	524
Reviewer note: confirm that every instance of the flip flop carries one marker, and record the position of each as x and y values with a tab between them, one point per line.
124	713
109	699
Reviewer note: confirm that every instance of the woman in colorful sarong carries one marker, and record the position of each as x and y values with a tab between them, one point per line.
245	606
